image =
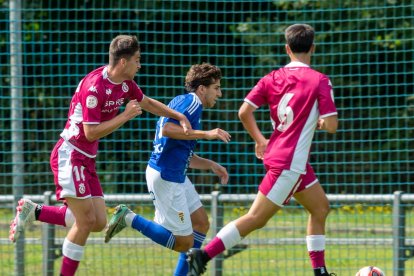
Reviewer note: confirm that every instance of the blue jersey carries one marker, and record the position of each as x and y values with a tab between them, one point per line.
171	157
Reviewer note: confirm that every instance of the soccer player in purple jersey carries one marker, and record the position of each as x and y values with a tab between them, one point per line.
300	100
93	114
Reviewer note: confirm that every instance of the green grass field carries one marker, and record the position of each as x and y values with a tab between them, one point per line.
138	258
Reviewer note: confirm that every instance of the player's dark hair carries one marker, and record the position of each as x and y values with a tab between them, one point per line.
201	74
123	46
300	37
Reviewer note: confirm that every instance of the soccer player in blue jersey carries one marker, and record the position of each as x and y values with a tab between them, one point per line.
181	221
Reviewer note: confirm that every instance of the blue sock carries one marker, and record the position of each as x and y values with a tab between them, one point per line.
182	266
154	231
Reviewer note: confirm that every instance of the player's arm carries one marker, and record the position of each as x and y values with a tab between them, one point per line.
160	109
329	124
328	120
173	131
96	131
200	163
249	123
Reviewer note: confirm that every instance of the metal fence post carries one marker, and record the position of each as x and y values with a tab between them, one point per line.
401	251
48	242
217	224
17	118
398	235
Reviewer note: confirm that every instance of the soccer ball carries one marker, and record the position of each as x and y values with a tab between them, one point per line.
370	271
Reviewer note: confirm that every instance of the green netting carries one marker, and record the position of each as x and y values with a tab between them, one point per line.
365	47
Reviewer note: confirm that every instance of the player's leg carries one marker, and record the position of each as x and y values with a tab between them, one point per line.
231	234
97	199
258	215
314	200
100	214
200	223
28	211
78	183
188	200
25	214
172	218
74	243
276	189
316	203
58	215
124	217
62	215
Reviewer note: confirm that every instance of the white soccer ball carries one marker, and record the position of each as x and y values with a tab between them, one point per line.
370	271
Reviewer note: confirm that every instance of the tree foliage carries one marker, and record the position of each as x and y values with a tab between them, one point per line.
365	47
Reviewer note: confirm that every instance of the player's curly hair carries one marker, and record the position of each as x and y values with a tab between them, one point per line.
300	37
123	46
201	74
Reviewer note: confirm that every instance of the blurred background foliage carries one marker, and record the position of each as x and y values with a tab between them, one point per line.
366	48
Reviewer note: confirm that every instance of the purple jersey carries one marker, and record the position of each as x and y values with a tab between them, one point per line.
297	97
97	99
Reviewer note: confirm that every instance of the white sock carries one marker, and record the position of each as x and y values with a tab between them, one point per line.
69	218
129	218
72	251
315	242
229	235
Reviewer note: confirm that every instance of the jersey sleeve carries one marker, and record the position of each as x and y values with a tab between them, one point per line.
136	92
91	101
326	101
189	106
258	95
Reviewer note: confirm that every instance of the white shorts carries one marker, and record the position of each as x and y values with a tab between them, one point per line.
279	185
74	173
174	202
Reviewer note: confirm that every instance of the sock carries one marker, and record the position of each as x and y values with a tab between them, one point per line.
226	238
129	218
72	254
316	250
59	215
317	258
38	210
154	231
182	266
214	247
69	266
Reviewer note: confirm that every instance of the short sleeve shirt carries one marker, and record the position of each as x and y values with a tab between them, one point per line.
171	157
297	96
97	99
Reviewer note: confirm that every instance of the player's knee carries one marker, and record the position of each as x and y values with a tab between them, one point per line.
100	225
321	212
256	221
86	222
183	247
202	227
183	244
325	210
205	227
